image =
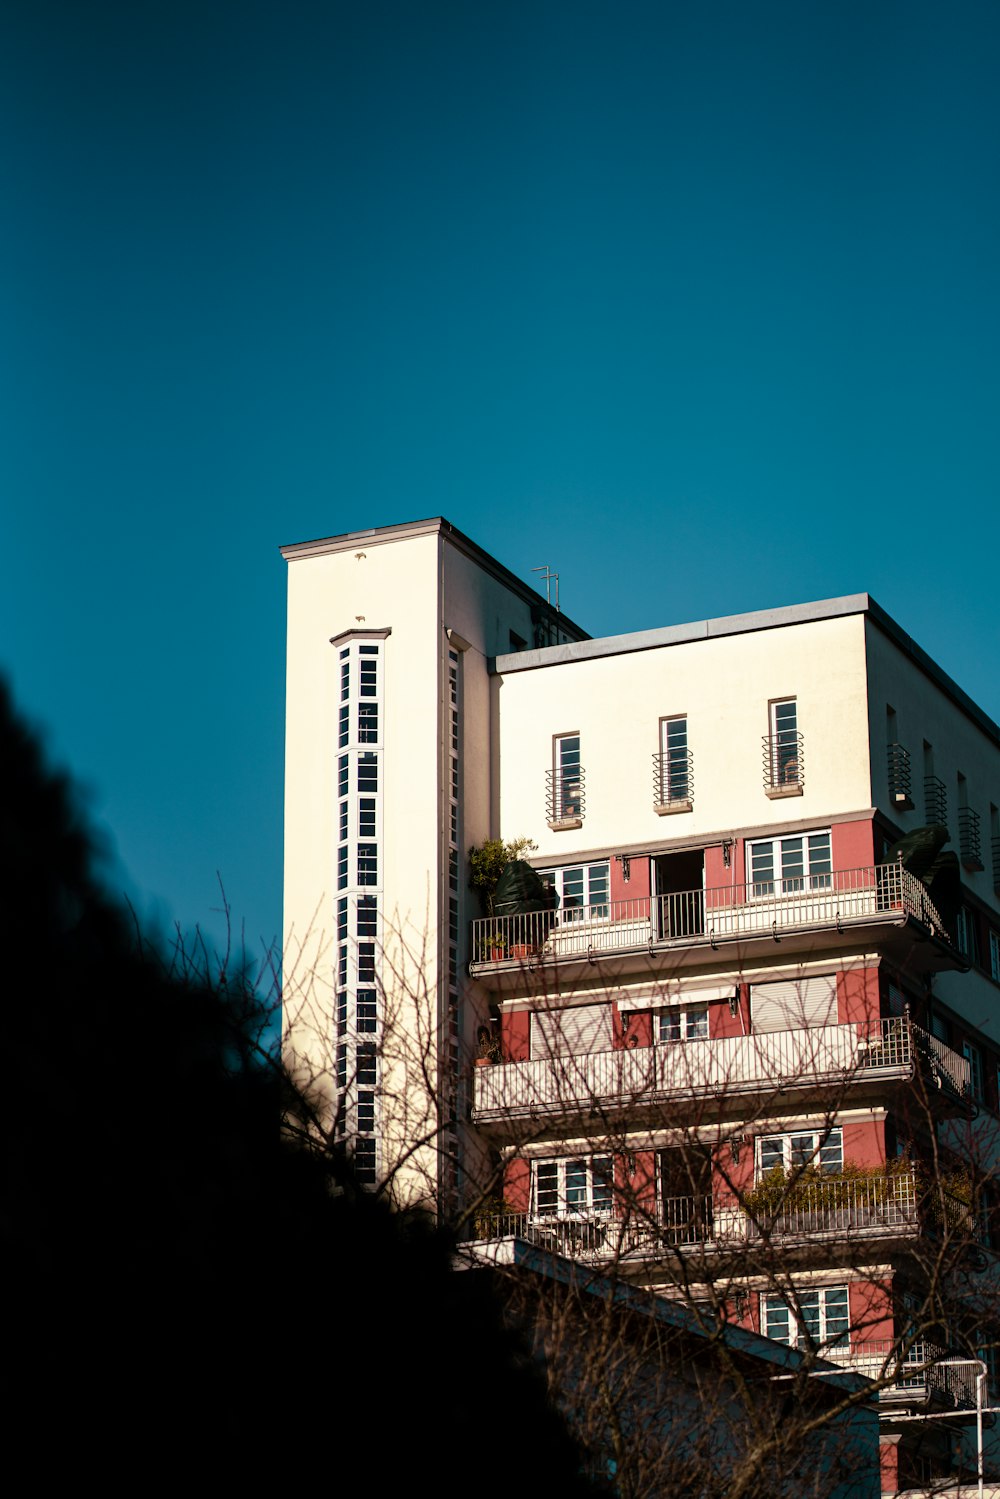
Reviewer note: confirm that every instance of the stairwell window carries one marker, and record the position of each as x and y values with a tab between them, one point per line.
788	866
579	1187
818	1318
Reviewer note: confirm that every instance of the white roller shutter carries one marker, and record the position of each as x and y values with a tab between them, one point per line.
790	1004
571	1032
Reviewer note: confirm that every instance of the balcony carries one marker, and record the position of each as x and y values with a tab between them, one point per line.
803	913
914	1375
969	841
900	781
818	1215
935	801
565	802
814	1060
673	782
784	763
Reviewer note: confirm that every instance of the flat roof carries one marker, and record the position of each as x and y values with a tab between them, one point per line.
742	624
435	525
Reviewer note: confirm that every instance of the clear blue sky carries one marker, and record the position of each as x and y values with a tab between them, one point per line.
699	304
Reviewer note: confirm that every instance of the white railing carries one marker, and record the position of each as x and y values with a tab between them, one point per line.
684	917
866	1207
915	1373
840	1205
731	1064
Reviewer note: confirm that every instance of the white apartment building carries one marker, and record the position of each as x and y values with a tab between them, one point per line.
745	1053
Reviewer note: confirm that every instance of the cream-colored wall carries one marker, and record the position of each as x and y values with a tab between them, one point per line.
419	586
925	712
392	587
724	685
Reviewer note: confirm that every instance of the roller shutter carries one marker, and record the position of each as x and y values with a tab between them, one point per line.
570	1032
793	1003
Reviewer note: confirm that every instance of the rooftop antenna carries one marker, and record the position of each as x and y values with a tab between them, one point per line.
550	578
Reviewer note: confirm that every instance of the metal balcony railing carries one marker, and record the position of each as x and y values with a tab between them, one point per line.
935	801
867	1209
840	1205
803	1058
564	795
899	776
913	1373
969	842
784	761
806	902
673	778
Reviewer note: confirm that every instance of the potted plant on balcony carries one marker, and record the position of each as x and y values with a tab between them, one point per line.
487	1047
527	905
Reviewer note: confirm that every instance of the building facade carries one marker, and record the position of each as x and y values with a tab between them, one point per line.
735	1052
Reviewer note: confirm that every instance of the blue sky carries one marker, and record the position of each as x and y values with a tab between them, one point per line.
698	304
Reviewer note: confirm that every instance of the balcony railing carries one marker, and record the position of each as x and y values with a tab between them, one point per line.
913	1373
935	801
705	916
899	777
784	761
565	802
673	780
838	1206
867	1209
804	1058
969	843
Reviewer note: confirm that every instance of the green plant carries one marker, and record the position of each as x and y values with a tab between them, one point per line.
780	1191
487	862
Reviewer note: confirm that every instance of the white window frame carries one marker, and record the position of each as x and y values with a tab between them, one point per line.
802	1147
781	880
598	909
591	1176
831	1325
783	730
974	1056
568	775
689	1021
675	771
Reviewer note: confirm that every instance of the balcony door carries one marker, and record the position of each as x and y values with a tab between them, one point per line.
685	1186
680	894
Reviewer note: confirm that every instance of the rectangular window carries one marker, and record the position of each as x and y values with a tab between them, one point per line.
366	962
343	776
345	725
578	1187
343	822
366	1113
342	920
367	1011
342	867
366	1069
364	1161
568	791
366	817
367	863
675	767
582	890
368	723
787	866
967	934
684	1025
345	679
821	1148
974	1057
368	772
817	1318
369	671
367	916
783	715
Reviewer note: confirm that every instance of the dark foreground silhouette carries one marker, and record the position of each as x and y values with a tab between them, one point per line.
187	1298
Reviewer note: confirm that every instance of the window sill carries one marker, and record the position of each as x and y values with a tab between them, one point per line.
901	802
564	824
776	793
667	809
